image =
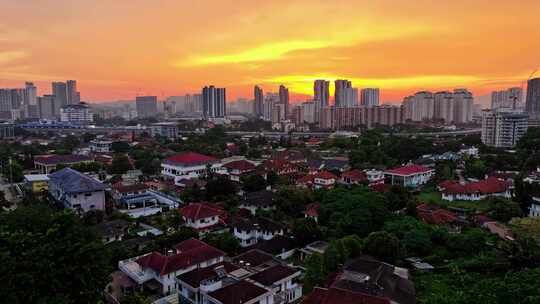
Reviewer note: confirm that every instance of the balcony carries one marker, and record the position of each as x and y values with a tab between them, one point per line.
134	271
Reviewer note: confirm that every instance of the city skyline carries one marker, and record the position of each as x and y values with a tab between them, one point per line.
395	46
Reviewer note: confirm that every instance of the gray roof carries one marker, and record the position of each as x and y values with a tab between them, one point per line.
72	181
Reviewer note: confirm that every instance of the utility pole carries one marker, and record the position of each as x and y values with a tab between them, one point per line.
10	172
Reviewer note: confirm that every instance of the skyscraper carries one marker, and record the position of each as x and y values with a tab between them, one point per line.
146	106
71	91
532	106
59	89
258	107
30	105
47	107
443	107
463	106
214	102
340	92
321	99
284	99
509	98
369	97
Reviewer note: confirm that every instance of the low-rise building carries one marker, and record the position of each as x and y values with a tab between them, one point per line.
165	129
409	176
36	183
77	191
202	217
250	231
237	169
188	165
475	191
259	200
101	146
76	114
48	163
353	177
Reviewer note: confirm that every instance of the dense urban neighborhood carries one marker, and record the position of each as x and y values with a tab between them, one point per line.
377	216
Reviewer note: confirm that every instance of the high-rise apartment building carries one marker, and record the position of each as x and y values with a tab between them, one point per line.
76	113
419	107
270	99
47	107
443	106
146	106
532	103
503	128
510	98
258	102
30	106
353	117
463	106
308	112
284	99
214	102
321	98
340	94
369	97
73	97
59	89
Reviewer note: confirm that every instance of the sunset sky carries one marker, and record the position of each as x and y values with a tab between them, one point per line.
117	49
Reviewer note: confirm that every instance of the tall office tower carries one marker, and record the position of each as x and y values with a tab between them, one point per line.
321	97
503	128
71	92
463	106
510	98
284	100
532	104
146	106
47	106
419	107
369	97
214	102
444	106
340	92
258	100
59	89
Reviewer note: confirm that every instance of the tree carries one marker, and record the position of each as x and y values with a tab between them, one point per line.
253	182
120	164
69	143
41	248
417	242
503	210
352	245
137	298
383	245
224	241
331	258
315	274
475	168
305	231
219	188
120	147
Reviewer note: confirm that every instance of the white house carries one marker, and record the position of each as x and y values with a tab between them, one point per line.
282	281
164	268
101	146
77	191
201	216
188	165
250	231
534	210
237	169
409	176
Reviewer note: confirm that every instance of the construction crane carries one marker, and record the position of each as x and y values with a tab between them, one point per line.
522	87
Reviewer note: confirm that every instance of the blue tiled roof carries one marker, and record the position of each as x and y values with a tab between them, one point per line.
72	181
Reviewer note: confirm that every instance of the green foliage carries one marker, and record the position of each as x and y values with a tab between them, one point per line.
120	147
224	241
50	257
219	188
83	167
315	274
383	245
531	140
120	164
293	201
417	242
356	211
137	298
475	168
503	210
167	241
305	231
253	182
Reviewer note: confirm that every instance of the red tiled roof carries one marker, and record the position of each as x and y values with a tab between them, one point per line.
486	186
357	175
307	179
341	296
194	252
381	187
61	159
312	210
325	175
242	165
196	211
435	215
196	276
129	188
408	170
190	158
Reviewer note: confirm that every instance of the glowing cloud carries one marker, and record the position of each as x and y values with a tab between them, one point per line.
7	57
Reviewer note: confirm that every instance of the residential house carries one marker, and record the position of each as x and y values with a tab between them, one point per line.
258	200
189	165
160	270
333	295
250	231
318	247
201	217
353	177
76	190
475	191
320	180
409	176
101	146
120	190
375	176
237	169
112	231
36	183
282	280
48	163
279	246
435	215
312	211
